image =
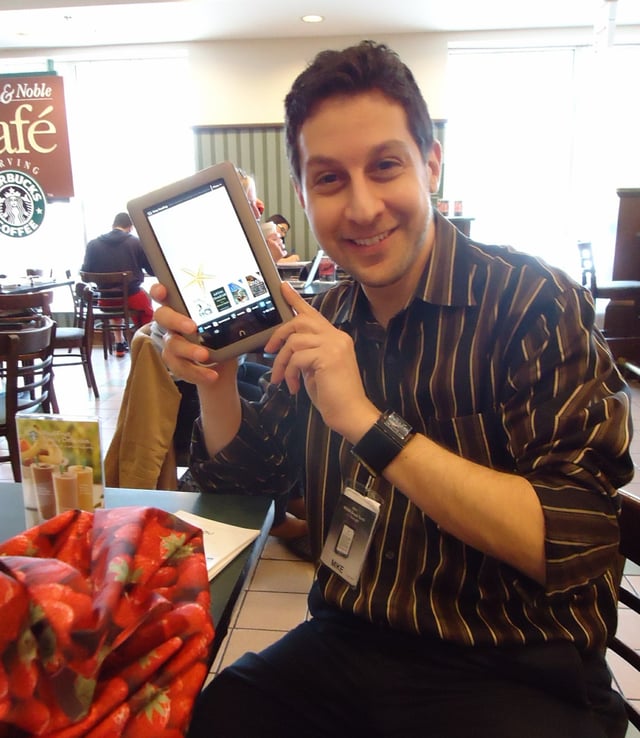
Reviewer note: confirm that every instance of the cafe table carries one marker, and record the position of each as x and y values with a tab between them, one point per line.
247	511
31	284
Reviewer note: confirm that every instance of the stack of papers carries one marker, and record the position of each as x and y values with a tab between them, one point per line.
222	542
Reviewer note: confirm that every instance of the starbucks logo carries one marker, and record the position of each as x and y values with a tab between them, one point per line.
22	204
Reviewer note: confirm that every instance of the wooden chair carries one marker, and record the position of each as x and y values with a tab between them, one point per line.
76	341
111	309
621	326
617	289
25	303
26	371
20	307
73	344
630	550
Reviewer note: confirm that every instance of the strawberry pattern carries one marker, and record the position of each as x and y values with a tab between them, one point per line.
105	625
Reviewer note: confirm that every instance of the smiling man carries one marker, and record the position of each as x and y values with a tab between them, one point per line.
459	429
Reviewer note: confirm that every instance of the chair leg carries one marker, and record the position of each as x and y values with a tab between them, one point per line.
88	372
14	452
53	400
106	339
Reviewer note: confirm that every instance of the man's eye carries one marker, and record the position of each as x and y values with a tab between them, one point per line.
326	179
387	164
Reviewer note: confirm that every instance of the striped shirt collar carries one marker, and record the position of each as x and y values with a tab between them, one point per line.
447	258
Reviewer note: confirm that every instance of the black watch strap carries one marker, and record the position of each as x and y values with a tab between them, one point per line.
383	442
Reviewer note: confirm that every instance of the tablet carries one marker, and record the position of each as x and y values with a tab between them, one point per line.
205	245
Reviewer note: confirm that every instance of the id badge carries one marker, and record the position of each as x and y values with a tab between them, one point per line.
350	535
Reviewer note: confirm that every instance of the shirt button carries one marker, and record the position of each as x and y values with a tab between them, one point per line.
390	555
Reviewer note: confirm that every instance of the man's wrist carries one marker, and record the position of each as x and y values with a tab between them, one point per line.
384	440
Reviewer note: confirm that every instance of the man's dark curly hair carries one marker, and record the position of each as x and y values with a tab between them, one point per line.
361	68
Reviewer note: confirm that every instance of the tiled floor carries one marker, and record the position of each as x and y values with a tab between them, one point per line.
275	597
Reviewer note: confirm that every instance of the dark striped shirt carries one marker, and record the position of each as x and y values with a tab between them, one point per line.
497	359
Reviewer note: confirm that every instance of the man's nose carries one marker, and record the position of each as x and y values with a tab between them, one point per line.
365	203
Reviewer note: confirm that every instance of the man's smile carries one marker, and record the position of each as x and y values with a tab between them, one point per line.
371	240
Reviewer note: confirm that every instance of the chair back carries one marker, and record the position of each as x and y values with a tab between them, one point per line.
110	284
26	361
74	344
587	266
25	303
629	598
37	272
84	298
111	304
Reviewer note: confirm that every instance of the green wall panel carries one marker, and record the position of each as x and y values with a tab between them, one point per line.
260	151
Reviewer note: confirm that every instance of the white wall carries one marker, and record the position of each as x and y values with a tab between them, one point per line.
245	82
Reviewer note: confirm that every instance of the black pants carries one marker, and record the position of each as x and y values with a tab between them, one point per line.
334	676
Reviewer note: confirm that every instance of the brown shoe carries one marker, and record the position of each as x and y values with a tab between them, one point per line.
291	527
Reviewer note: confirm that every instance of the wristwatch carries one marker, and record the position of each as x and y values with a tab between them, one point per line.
383	442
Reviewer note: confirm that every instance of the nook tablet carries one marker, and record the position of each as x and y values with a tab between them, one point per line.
206	247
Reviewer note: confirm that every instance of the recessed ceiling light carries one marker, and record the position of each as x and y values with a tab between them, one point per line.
312	18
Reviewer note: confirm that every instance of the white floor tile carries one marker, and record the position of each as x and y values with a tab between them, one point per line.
283	576
240	641
272	610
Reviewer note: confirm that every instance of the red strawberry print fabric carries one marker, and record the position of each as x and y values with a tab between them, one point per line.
105	626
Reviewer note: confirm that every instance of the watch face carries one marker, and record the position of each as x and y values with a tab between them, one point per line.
397	425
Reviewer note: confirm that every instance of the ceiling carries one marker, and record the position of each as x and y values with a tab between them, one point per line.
33	24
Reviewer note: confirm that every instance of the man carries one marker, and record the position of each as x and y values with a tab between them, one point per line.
117	251
465	393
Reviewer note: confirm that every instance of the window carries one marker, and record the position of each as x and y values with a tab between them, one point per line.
537	143
129	131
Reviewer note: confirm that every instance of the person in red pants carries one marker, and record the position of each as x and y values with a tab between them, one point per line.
119	250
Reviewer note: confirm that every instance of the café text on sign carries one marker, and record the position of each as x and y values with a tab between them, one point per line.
33	133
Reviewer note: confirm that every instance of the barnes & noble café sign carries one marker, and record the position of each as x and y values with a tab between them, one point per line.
35	166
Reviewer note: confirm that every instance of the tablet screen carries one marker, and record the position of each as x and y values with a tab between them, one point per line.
208	253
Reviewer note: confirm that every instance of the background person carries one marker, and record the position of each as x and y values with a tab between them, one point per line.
464	389
273	238
282	225
121	251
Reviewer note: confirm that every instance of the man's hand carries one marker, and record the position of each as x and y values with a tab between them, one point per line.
186	359
310	349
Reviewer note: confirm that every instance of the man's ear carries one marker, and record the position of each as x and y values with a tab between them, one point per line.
434	166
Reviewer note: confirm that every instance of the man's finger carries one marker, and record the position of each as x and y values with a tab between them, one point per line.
297	302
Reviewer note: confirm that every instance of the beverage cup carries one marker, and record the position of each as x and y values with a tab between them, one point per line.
85	486
65	487
43	481
32	516
268	228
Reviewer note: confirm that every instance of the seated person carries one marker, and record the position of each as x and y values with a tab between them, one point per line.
462	392
282	224
274	239
121	251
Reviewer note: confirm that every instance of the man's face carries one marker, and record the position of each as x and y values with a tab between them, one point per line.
367	191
